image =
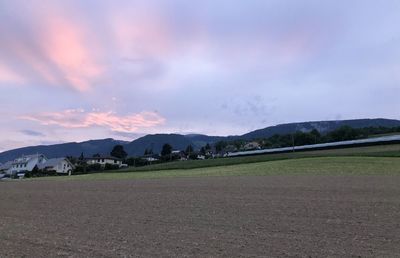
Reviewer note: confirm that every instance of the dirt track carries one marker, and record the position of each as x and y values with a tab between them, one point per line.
235	216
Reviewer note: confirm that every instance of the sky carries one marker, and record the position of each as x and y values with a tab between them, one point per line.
76	70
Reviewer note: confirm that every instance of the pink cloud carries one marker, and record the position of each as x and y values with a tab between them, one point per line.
58	49
65	44
78	118
8	75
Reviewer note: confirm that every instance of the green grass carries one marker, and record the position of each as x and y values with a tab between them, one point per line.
300	166
370	160
390	150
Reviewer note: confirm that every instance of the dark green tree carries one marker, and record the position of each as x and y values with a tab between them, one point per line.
189	149
238	143
119	152
219	146
316	135
166	150
81	157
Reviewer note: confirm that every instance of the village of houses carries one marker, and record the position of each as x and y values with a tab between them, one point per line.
26	164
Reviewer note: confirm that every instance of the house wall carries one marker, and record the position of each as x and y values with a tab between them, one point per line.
63	167
28	166
103	162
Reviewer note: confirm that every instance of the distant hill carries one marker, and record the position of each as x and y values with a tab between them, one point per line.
155	143
64	149
321	126
180	142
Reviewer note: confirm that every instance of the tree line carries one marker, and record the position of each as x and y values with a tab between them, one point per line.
298	138
344	133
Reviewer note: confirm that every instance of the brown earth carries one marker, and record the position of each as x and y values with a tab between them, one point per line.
307	216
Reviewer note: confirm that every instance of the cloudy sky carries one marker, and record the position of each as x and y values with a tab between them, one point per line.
76	70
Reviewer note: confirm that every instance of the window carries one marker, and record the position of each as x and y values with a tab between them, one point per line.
102	160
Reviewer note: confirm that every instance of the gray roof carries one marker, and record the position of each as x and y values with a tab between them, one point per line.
6	165
26	158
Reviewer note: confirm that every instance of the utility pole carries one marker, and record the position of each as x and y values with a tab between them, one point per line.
293	141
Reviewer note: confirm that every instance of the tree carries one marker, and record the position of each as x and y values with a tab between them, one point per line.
166	149
316	135
238	143
35	171
119	152
219	146
82	157
208	147
189	149
344	133
72	159
203	151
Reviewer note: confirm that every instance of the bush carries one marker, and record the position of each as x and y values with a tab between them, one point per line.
111	167
93	168
86	169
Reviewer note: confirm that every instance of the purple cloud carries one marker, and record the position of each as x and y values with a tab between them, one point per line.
217	67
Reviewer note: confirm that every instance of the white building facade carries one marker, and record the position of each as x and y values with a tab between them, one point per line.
27	163
59	165
104	160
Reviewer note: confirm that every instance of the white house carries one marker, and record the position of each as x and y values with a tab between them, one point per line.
252	146
60	165
26	163
5	168
181	155
103	160
150	158
202	157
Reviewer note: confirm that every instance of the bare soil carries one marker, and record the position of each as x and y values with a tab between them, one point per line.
306	216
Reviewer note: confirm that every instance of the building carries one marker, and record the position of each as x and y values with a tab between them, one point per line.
5	168
179	155
59	165
103	160
26	163
252	146
151	157
200	156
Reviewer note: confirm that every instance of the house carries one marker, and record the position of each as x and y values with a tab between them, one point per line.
26	163
5	168
103	160
179	155
202	157
252	146
59	165
151	157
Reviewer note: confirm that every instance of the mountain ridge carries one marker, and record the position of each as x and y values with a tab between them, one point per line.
180	142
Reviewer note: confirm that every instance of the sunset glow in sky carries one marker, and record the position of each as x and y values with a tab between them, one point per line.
75	70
